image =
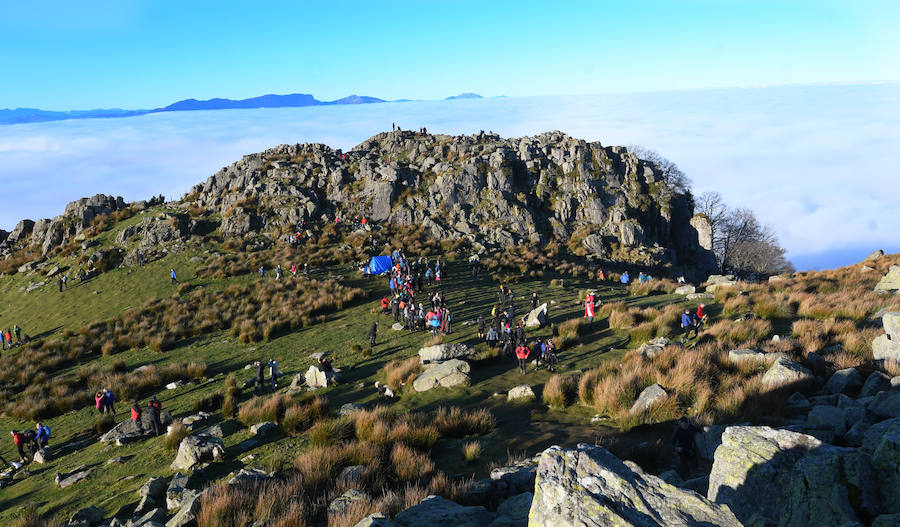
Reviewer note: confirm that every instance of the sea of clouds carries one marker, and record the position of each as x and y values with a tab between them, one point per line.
818	163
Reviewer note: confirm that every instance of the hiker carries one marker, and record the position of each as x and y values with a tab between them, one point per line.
154	407
136	416
65	280
373	331
548	357
109	401
18	331
8	336
294	270
534	301
589	308
385	305
601	276
480	326
42	435
262	272
448	321
2	340
520	334
174	278
683	441
492	337
260	370
59	280
140	258
98	402
21	440
273	372
538	349
278	272
502	295
624	278
687	325
325	363
522	353
699	320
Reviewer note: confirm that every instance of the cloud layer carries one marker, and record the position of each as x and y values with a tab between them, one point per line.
816	162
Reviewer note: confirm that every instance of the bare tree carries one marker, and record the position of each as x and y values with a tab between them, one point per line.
670	174
740	243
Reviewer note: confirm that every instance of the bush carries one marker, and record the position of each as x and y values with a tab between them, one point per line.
456	423
229	407
399	373
299	418
209	403
175	435
471	451
558	391
586	384
409	465
330	432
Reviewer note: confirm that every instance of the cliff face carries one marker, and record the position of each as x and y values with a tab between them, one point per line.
600	201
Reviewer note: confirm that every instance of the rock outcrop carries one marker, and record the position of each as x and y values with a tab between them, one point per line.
887	346
493	191
589	486
453	372
890	283
443	352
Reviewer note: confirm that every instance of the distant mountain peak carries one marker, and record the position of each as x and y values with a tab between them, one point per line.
467	95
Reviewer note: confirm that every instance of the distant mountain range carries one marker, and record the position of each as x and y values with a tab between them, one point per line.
294	100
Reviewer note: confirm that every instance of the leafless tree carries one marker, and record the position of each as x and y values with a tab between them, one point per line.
670	174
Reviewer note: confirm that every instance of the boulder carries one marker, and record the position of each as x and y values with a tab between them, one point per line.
154	488
768	476
444	352
537	317
651	395
685	290
377	519
875	382
88	516
717	281
847	380
396	326
885	348
73	477
707	442
195	449
350	408
175	491
513	479
435	510
746	356
797	402
520	392
701	296
316	378
653	348
829	417
343	502
785	371
890	282
127	431
187	513
887	520
348	476
891	323
41	456
263	429
453	372
514	511
589	486
247	476
886	462
885	404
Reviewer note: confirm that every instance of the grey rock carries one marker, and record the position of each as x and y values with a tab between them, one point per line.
653	348
885	404
707	442
746	356
537	317
175	491
316	378
71	478
523	391
513	512
886	462
444	352
590	486
154	488
195	449
875	382
890	282
891	323
514	479
887	520
686	289
699	485
885	347
797	402
263	429
89	516
187	514
435	510
830	417
343	502
350	475
650	396
249	476
377	519
453	372
784	372
847	380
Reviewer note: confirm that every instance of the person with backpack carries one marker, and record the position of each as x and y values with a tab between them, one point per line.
373	332
262	272
699	320
42	435
589	309
109	401
273	373
492	337
154	408
687	325
260	376
522	353
136	416
480	327
683	441
448	321
548	358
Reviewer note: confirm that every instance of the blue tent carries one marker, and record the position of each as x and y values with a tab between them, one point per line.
379	265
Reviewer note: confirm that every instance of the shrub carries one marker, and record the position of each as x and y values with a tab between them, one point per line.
558	391
456	423
399	373
29	517
175	435
330	432
229	406
568	333
104	423
586	384
471	451
209	403
409	465
298	418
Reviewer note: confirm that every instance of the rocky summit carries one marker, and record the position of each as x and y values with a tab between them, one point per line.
600	200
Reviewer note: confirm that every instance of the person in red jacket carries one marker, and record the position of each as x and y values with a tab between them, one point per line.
136	416
522	353
21	439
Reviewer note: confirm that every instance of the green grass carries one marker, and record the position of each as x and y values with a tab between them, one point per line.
529	427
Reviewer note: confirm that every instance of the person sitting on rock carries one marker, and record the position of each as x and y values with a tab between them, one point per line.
42	435
683	441
136	415
325	363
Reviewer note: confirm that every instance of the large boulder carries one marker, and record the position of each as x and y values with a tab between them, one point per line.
886	348
717	281
588	486
785	371
523	392
830	417
453	372
744	356
653	348
514	511
890	282
885	404
187	513
444	352
686	289
847	380
650	396
514	479
537	317
195	449
128	432
886	461
316	378
435	510
779	477
377	519
875	382
891	323
343	502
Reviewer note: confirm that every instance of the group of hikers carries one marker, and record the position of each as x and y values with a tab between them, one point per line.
693	322
259	382
154	409
29	442
6	338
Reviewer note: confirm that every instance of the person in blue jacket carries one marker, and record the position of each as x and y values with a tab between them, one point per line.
43	434
625	279
687	324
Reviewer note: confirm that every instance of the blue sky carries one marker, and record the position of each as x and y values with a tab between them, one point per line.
115	53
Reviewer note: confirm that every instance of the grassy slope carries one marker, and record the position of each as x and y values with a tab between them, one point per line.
522	427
